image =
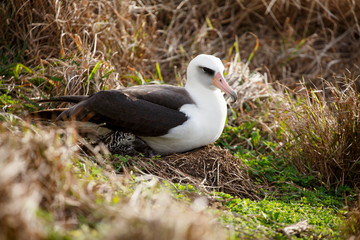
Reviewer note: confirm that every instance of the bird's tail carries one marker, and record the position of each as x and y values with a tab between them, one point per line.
71	99
45	115
52	114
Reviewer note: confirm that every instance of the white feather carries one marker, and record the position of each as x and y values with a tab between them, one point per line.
206	117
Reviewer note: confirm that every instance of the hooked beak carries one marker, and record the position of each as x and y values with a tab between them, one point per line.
220	82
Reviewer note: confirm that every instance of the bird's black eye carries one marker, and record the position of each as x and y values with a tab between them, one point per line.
208	71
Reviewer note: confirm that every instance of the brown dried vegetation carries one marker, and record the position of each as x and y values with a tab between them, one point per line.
80	47
352	226
325	135
44	178
296	38
211	168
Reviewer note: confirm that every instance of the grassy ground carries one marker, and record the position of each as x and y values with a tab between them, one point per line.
289	153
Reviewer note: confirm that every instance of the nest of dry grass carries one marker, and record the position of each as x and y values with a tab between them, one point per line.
210	168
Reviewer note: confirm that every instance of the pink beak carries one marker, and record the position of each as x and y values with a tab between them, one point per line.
220	82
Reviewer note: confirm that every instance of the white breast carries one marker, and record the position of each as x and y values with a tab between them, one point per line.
204	126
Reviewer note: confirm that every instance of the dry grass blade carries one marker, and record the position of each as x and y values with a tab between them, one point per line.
296	38
161	218
351	229
325	135
48	188
32	168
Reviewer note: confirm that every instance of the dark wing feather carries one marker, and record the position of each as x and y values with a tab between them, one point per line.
144	111
174	96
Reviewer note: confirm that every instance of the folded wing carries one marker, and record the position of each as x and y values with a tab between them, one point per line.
142	110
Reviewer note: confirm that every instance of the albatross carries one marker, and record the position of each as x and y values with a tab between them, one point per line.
169	119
